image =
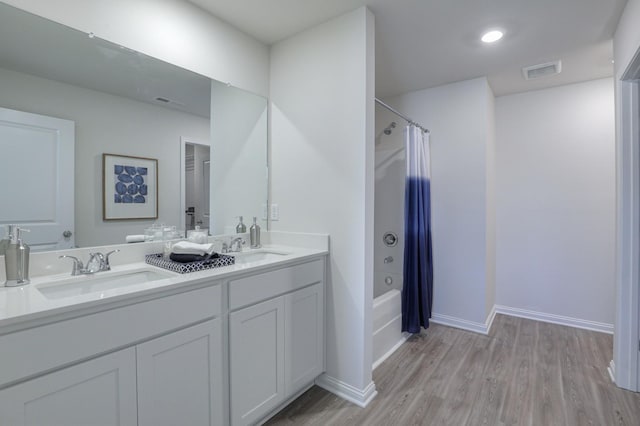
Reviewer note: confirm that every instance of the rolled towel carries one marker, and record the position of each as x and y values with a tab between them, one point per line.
186	247
134	239
186	258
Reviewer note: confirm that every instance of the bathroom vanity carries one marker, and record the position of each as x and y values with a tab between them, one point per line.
224	346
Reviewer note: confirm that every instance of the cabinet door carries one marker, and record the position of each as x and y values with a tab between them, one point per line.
256	357
97	392
304	337
180	377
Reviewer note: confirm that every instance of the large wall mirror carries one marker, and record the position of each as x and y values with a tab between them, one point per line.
59	84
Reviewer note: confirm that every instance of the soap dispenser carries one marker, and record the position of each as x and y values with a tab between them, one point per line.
241	228
16	258
254	232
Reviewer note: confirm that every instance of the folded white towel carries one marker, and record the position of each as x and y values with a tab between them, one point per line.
134	239
186	247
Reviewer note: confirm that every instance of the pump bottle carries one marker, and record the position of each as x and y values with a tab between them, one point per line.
16	258
254	234
241	228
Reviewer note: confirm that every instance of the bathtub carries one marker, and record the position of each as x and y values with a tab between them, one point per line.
387	323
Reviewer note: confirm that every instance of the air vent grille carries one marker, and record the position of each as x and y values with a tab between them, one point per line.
542	70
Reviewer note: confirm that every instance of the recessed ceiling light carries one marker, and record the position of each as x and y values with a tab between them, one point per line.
492	36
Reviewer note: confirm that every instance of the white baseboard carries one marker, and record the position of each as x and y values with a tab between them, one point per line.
360	397
476	327
555	319
612	371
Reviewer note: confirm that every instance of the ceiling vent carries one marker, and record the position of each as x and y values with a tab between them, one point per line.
542	70
164	100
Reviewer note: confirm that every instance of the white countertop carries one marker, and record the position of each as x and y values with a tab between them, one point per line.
20	306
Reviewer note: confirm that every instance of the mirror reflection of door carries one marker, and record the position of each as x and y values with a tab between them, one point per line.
195	166
37	178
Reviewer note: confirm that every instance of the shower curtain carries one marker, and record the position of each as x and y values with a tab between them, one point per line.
418	268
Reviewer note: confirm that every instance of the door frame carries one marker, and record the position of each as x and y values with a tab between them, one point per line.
625	367
183	181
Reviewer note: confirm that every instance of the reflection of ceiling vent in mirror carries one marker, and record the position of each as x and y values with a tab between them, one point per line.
169	101
542	70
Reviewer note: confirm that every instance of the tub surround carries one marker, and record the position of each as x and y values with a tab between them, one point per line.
387	325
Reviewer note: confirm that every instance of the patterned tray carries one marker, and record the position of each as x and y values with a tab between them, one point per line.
183	268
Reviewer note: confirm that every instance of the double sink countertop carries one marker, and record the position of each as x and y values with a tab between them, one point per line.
59	296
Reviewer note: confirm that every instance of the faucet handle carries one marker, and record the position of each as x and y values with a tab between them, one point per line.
238	242
95	262
77	264
106	266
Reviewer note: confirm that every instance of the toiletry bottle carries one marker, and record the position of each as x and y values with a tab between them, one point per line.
241	228
16	258
4	244
255	233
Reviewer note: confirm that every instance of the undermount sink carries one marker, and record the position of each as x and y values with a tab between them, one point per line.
86	284
258	255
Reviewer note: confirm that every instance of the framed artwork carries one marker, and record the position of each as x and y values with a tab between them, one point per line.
130	187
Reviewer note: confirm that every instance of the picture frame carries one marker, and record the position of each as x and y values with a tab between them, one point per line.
129	187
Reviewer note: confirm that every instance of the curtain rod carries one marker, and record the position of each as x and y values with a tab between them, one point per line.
399	114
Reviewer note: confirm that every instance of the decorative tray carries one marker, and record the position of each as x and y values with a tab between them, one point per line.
183	268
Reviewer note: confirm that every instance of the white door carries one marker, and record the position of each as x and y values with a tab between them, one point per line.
37	177
180	378
304	337
97	392
256	357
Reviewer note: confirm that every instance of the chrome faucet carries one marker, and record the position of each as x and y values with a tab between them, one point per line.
228	248
98	262
106	266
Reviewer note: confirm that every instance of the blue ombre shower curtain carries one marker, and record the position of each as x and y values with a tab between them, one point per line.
418	267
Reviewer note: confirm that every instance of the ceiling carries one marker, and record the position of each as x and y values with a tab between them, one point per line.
427	43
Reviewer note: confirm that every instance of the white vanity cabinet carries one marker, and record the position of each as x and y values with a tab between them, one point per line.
276	338
169	372
101	391
304	337
256	355
180	377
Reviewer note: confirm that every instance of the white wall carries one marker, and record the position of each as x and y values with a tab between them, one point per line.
108	124
239	163
627	37
322	174
556	201
175	31
458	117
626	44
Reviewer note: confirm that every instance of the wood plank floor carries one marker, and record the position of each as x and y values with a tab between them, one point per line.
524	373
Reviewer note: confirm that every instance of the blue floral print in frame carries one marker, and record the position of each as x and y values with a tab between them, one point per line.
130	186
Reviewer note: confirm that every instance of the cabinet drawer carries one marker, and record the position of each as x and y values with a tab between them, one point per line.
253	289
29	352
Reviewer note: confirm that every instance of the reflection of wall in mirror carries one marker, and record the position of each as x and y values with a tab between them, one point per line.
190	37
239	165
107	123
